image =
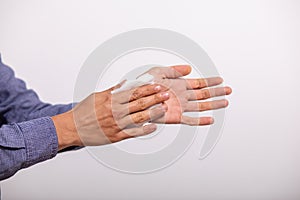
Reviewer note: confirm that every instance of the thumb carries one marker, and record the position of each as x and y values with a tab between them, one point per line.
175	71
182	70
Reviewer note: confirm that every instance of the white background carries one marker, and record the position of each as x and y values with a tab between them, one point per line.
255	46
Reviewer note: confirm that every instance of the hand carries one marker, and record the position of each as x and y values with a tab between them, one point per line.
104	118
185	93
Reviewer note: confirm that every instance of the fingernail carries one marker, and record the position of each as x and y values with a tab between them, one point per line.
157	88
221	79
228	90
165	95
150	127
226	102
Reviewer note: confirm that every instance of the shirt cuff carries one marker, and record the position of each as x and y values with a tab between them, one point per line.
40	140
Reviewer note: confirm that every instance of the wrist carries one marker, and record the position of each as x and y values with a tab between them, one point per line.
66	130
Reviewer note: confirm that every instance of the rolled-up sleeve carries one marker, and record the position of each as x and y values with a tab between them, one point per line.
25	144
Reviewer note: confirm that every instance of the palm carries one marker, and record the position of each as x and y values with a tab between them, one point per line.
185	93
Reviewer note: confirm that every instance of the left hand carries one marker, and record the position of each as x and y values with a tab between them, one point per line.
185	93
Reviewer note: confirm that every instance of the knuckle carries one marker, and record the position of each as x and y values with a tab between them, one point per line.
142	104
200	83
197	83
205	106
157	98
148	89
139	117
202	106
205	94
135	94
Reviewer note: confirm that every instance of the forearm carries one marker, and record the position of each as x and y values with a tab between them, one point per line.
18	103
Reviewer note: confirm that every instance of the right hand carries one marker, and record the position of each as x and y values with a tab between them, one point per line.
104	118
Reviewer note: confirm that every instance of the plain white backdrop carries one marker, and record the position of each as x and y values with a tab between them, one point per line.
255	46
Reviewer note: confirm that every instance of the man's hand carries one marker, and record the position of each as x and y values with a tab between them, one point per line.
185	93
104	118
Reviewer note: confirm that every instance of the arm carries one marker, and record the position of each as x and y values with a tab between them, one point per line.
17	103
26	143
22	142
113	122
30	142
32	136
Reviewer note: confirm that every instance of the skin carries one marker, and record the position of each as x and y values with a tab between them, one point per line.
186	93
104	118
99	119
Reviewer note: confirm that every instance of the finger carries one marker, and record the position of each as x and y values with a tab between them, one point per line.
146	102
170	72
208	93
137	131
183	70
143	116
203	106
195	121
203	82
136	93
